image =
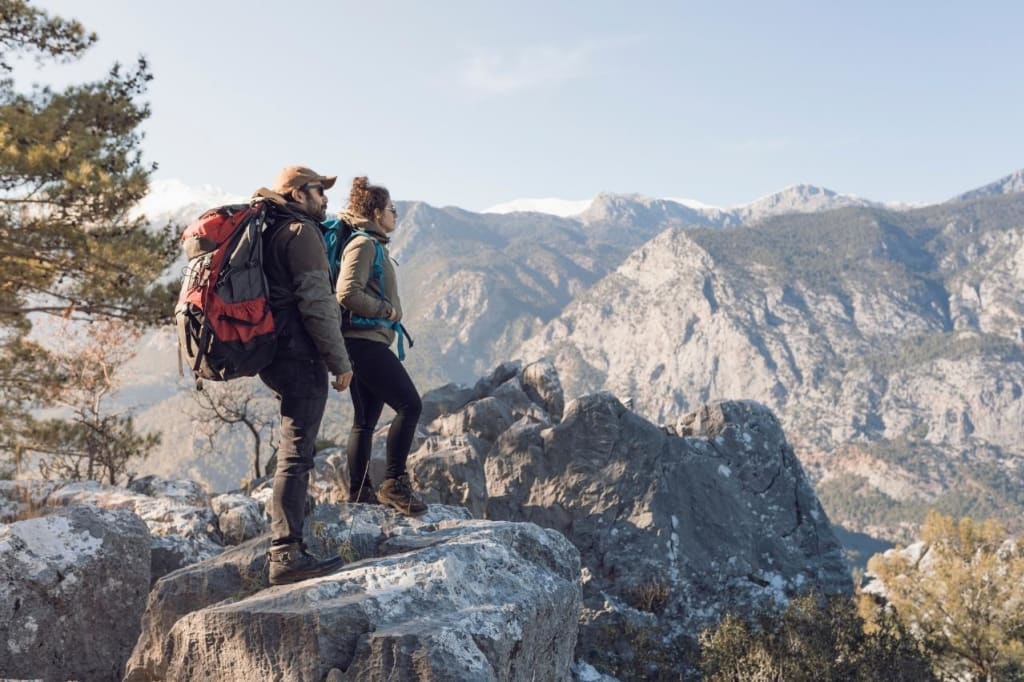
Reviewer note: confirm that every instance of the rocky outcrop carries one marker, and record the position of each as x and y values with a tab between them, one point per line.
439	597
184	528
182	524
673	528
897	333
72	589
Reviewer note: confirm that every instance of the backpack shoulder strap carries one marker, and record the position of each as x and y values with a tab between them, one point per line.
378	255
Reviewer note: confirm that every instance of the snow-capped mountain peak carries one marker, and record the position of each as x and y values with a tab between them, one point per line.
694	204
564	208
173	200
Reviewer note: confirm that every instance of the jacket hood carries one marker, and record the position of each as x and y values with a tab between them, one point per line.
282	201
264	193
360	223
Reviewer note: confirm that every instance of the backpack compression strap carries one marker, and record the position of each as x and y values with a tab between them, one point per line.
378	274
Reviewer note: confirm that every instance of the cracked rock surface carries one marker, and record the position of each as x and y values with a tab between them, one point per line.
675	527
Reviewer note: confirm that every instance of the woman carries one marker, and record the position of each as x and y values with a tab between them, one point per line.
371	319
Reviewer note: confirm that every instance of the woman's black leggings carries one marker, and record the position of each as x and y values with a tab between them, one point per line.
379	378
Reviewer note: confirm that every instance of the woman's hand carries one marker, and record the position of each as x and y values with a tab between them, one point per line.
393	315
341	381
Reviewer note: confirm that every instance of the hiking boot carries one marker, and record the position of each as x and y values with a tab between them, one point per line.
397	493
364	495
292	563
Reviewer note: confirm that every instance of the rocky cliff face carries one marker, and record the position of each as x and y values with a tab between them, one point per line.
883	340
477	285
674	528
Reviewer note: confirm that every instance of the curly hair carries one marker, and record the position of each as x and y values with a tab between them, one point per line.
365	199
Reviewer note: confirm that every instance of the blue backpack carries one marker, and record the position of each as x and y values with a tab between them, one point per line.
337	234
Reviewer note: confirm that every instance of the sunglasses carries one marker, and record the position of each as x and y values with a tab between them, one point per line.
393	210
318	188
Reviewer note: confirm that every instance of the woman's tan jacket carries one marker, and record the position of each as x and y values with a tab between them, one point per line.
358	290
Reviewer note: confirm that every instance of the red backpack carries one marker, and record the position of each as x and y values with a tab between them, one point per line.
225	327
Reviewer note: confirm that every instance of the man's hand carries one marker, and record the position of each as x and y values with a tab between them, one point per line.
341	381
393	315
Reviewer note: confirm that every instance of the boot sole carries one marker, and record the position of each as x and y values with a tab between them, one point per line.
400	508
299	576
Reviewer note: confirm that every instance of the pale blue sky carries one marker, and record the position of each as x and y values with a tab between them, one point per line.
475	103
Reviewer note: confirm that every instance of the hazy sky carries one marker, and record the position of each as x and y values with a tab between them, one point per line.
473	103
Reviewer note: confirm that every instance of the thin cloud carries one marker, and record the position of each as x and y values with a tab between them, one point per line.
494	72
758	145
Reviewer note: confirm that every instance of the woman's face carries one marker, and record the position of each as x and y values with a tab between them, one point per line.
388	218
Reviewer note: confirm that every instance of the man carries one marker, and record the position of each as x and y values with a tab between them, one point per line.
309	345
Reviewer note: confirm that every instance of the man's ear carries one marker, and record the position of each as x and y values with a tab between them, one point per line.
297	195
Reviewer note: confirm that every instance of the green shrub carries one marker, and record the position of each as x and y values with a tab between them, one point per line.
816	639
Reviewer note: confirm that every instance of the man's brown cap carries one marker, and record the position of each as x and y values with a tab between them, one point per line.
295	177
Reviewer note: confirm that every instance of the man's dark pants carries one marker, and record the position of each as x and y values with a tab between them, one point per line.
300	383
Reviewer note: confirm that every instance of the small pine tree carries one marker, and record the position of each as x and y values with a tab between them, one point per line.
963	597
70	171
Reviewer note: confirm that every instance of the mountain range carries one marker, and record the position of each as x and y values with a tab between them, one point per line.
888	340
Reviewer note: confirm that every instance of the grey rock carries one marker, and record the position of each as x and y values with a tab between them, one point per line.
1011	184
239	517
541	383
443	400
186	492
352	531
73	586
450	470
584	672
438	598
24	498
796	199
486	418
237	572
499	375
619	637
672	531
520	404
183	527
329	480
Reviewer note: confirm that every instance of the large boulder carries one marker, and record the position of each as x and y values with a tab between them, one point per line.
721	519
674	527
184	528
73	586
439	597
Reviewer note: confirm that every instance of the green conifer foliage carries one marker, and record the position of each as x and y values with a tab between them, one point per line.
70	171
